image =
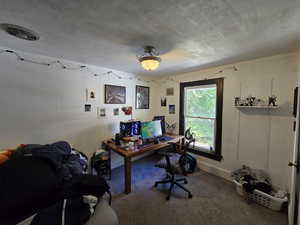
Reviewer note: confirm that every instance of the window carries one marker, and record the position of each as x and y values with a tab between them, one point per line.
201	110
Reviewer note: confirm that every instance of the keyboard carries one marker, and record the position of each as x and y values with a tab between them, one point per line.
165	138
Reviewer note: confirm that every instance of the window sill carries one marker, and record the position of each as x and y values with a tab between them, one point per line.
205	153
203	148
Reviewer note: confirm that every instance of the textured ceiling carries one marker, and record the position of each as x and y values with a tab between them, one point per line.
190	34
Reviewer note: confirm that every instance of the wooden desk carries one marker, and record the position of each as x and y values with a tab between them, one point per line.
127	154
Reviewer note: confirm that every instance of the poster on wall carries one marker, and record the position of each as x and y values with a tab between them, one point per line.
171	109
142	97
163	101
170	91
115	94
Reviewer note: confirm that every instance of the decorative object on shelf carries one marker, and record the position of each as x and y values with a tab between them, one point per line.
257	107
163	101
115	94
259	102
254	102
127	110
87	107
171	109
116	111
237	101
170	91
142	96
171	128
272	100
250	100
150	60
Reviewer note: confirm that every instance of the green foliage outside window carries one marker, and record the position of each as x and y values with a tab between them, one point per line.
201	102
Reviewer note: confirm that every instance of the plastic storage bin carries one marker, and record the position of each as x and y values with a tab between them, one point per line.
262	198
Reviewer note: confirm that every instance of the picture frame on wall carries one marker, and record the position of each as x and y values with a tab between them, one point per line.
90	94
101	112
114	94
170	91
142	97
87	107
171	109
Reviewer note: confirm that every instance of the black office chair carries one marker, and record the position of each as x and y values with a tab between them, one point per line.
175	169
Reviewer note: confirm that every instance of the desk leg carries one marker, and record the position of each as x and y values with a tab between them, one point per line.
127	167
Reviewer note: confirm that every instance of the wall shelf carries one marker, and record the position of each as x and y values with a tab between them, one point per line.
257	107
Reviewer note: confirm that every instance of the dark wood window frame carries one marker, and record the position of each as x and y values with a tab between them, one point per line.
219	82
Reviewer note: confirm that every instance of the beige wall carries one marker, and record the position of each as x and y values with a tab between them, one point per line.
41	104
44	104
257	138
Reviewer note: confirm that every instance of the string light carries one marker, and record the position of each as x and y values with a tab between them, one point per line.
65	67
88	70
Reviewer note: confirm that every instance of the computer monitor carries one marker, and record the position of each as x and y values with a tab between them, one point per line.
151	129
136	128
130	128
163	123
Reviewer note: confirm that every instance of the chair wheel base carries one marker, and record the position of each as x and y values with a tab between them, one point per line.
190	196
185	182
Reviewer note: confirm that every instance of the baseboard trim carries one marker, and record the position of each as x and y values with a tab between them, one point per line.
215	170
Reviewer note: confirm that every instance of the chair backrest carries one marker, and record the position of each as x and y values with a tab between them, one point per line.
186	161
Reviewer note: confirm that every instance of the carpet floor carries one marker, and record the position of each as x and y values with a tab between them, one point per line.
214	202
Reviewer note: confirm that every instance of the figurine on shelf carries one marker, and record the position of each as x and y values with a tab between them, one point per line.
272	100
242	102
237	101
250	100
259	102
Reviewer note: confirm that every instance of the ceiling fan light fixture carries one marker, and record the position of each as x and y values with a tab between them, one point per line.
150	60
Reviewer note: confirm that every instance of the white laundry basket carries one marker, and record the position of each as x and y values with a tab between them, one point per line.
261	197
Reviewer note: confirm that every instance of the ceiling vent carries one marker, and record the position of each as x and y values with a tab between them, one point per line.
20	32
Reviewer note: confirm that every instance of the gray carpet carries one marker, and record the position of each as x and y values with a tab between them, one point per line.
214	201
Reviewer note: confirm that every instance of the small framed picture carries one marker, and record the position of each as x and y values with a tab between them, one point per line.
115	94
116	111
87	107
170	91
90	94
171	109
101	112
142	97
163	102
